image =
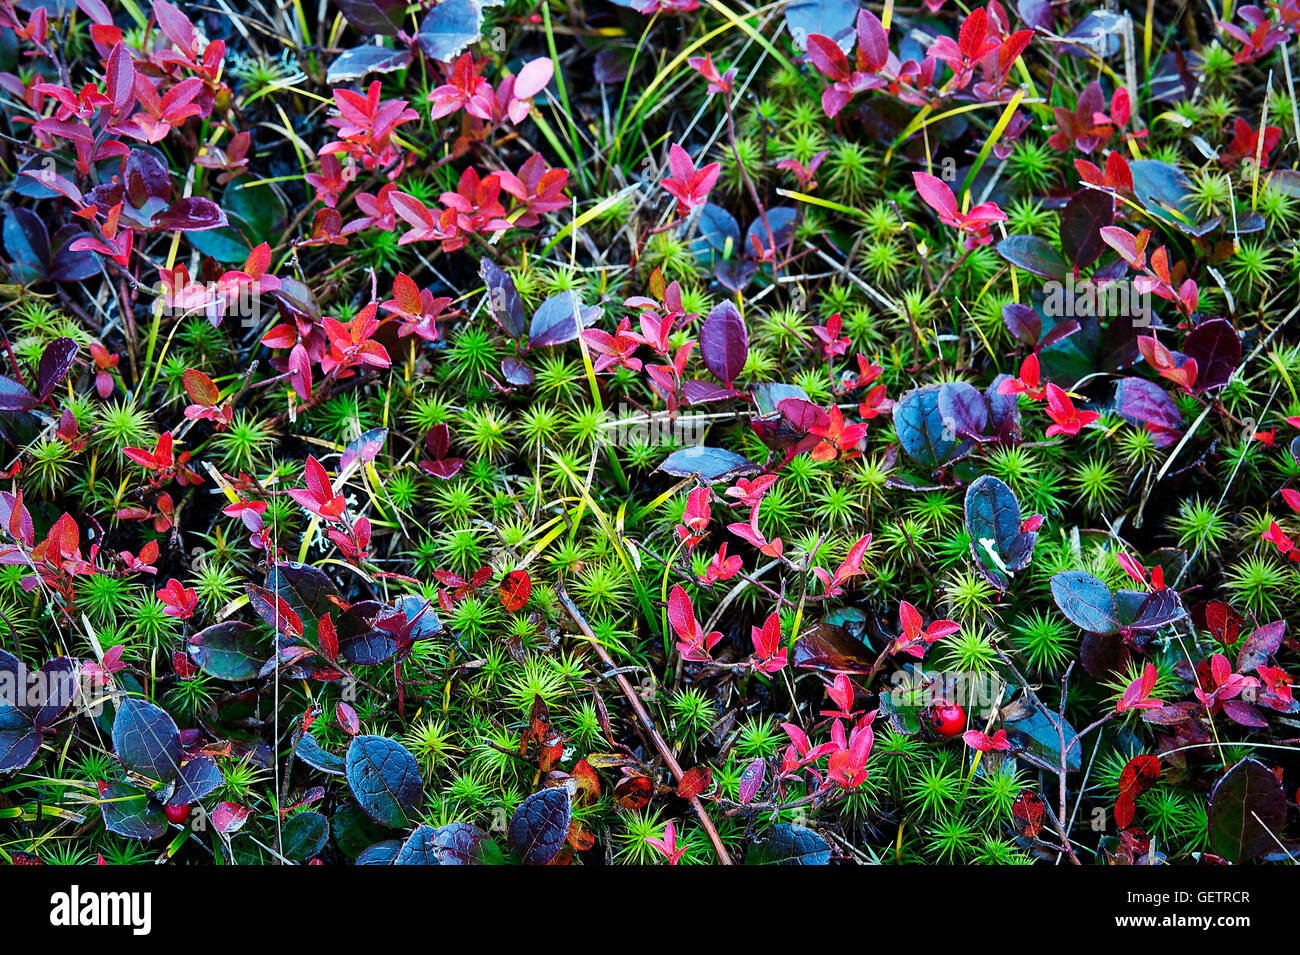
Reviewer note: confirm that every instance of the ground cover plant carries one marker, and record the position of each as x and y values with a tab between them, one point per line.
662	432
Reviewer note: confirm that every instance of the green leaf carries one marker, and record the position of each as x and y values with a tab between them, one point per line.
256	212
228	651
1247	810
1034	254
304	836
128	812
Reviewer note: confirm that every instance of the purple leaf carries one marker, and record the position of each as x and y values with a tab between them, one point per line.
751	780
192	214
1144	402
14	397
963	410
145	177
516	372
1216	347
1081	221
1023	323
56	362
363	449
1037	14
1060	332
734	274
724	342
556	320
1004	410
504	303
371	17
700	392
1260	645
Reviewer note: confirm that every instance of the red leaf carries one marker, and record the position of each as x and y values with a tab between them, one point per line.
201	389
695	781
347	718
936	194
515	590
828	57
119	79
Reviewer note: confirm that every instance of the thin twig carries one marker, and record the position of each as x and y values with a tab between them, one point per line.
646	722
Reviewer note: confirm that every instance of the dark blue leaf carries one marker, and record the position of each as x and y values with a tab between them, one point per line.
540	825
719	233
781	219
831	18
361	60
199	777
791	845
18	747
713	465
146	740
1086	602
922	431
1033	254
457	843
451	26
381	853
993	521
28	243
311	753
385	779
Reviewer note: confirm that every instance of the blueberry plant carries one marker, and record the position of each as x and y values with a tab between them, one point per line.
649	432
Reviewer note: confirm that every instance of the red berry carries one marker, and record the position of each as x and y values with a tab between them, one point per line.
176	813
947	719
